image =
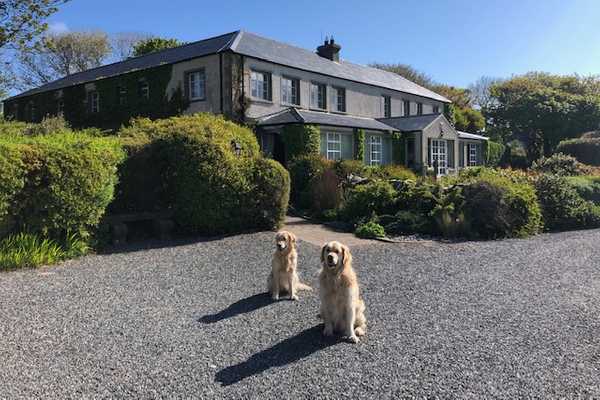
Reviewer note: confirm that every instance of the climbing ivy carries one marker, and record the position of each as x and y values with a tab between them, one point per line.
301	140
359	144
398	149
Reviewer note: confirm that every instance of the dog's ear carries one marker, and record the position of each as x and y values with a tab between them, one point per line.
346	256
323	252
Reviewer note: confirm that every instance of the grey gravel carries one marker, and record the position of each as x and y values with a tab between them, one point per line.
506	319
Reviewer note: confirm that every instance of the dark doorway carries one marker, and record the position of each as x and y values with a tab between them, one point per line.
279	150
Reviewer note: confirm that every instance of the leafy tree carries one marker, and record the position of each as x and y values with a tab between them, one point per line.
59	55
21	24
407	72
152	45
479	91
542	109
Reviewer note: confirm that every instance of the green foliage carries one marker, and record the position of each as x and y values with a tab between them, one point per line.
493	153
372	198
559	164
28	251
588	187
398	149
390	172
195	172
151	45
304	171
562	206
468	120
515	155
344	168
359	144
546	108
12	181
585	150
301	140
370	230
405	222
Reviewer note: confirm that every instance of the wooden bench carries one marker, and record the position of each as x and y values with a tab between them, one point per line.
162	225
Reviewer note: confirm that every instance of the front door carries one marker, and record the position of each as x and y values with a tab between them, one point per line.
439	156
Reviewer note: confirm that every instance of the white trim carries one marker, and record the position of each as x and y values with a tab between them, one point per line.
334	152
472	154
439	152
375	148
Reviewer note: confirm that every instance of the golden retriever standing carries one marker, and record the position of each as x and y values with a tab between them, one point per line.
284	276
342	309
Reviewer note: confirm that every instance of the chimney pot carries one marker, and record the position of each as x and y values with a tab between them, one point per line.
329	49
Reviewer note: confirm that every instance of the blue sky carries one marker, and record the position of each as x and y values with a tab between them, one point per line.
454	42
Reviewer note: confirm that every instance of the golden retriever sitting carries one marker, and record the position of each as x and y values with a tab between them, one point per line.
283	275
342	309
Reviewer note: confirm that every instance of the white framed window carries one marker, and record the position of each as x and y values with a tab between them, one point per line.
197	85
375	148
290	91
439	154
339	99
472	148
94	102
318	96
334	146
260	85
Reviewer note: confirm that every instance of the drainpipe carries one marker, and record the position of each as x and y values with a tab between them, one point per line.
221	79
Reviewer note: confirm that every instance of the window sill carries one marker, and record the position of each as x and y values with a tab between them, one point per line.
318	109
290	105
339	112
261	101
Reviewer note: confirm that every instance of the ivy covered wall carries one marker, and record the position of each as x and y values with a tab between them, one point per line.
120	99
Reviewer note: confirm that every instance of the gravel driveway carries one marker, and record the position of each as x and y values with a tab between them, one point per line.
507	319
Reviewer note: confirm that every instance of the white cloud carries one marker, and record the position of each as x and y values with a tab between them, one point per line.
58	27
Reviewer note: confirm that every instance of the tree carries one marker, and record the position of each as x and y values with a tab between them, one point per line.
59	55
152	45
407	72
542	109
123	44
21	24
480	91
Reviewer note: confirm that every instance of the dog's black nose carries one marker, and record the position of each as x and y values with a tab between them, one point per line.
330	259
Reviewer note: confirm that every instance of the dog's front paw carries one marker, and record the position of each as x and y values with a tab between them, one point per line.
275	297
353	339
294	297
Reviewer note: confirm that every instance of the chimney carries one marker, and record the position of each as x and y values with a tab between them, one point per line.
330	50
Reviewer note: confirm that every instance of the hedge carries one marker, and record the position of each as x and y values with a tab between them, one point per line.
56	184
195	172
585	150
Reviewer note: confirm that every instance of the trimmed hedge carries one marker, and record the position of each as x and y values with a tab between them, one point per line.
563	208
57	184
585	150
188	165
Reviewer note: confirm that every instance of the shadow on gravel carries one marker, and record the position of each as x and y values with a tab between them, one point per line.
243	306
289	351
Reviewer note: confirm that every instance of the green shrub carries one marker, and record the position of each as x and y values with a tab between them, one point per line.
326	191
301	140
562	207
390	171
496	207
588	187
209	188
559	164
493	153
343	168
304	171
448	213
58	183
405	222
585	150
359	145
370	230
372	198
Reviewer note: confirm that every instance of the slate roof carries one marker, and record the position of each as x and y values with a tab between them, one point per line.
472	136
252	45
295	116
411	124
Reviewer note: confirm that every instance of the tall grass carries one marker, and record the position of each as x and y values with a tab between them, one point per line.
25	250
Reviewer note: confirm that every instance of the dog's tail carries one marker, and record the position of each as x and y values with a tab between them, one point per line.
302	286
